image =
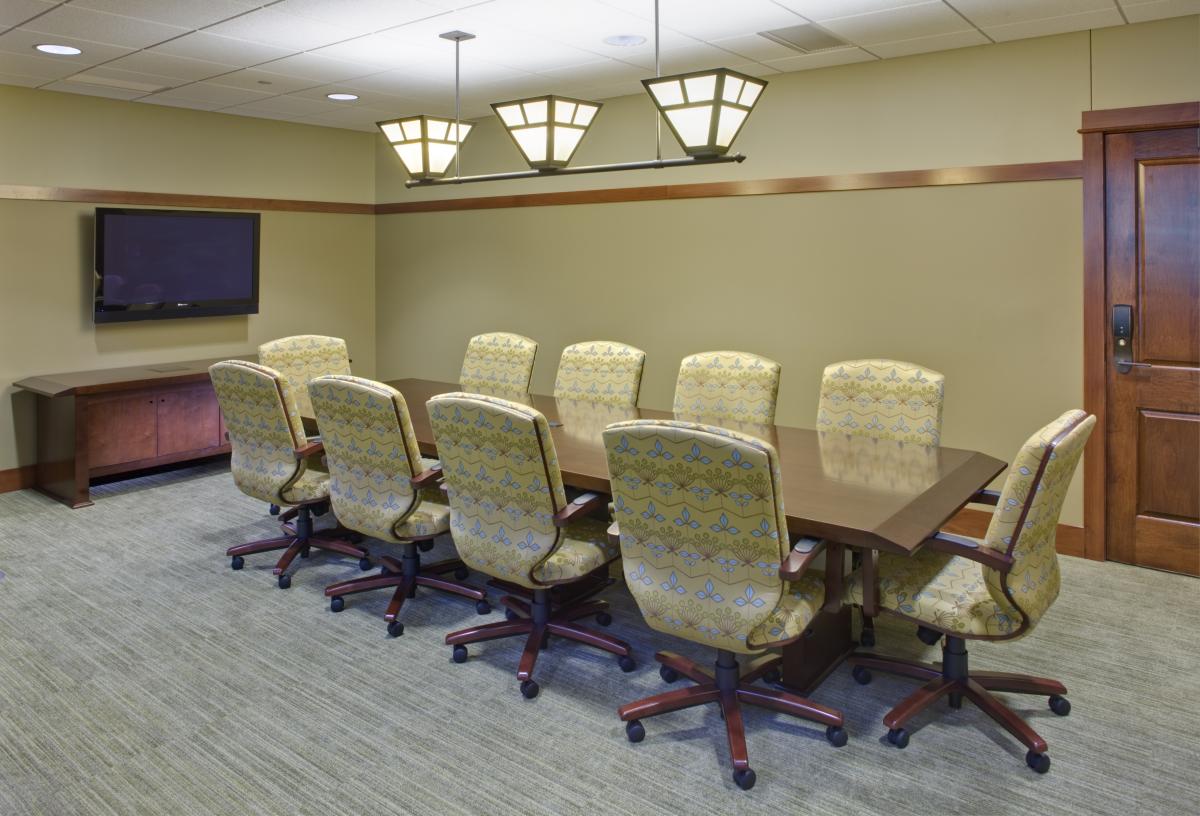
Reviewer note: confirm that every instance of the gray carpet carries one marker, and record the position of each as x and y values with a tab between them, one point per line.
139	674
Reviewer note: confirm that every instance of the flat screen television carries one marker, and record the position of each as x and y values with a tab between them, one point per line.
156	264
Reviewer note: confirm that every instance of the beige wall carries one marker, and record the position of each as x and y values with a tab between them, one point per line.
317	270
982	283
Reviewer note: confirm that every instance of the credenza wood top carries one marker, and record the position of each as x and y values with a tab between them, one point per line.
863	492
99	381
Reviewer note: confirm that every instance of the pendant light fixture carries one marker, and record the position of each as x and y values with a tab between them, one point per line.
547	129
705	109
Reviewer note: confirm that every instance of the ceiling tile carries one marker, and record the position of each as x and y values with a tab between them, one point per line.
822	59
256	79
22	41
291	105
1055	25
182	68
113	29
712	19
186	13
34	66
924	20
984	13
21	79
386	51
318	68
362	16
828	9
923	45
367	99
1137	11
283	30
217	95
754	47
599	72
170	102
214	48
258	113
93	90
15	12
150	82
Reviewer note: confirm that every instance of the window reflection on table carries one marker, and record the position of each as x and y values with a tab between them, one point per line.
883	464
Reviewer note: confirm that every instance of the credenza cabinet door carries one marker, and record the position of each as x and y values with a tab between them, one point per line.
122	428
188	419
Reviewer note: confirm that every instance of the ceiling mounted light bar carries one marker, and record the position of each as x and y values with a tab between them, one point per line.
649	164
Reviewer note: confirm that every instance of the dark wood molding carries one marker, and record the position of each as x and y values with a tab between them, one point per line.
946	176
18	478
971	522
1150	117
85	196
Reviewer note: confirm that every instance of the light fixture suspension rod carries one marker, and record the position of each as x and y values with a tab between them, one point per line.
571	171
457	109
657	74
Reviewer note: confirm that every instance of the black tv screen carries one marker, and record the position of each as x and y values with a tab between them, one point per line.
153	264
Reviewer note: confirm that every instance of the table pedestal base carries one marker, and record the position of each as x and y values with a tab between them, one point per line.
826	643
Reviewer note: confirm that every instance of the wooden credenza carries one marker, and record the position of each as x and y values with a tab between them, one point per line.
119	420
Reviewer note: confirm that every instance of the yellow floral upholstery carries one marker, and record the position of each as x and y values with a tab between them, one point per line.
498	363
733	385
301	358
372	455
884	399
956	594
600	371
265	430
504	488
703	532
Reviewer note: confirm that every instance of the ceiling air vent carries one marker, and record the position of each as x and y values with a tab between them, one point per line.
807	39
108	82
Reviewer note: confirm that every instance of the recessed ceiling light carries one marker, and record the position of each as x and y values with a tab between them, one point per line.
342	97
624	40
58	50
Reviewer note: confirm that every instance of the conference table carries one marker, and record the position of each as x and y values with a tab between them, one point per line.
867	494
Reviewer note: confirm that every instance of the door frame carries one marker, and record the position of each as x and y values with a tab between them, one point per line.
1096	126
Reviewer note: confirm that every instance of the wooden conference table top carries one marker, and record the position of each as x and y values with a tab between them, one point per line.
874	494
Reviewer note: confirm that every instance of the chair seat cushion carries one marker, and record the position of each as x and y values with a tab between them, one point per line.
431	518
585	548
313	485
797	607
939	589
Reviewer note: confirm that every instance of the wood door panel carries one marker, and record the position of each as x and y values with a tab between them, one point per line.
1167	544
188	419
1168	481
1169	266
121	429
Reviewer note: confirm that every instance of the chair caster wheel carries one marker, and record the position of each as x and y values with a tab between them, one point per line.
483	607
866	639
668	674
396	629
510	615
237	562
459	654
1039	762
462	573
425	546
861	675
744	778
337	603
898	737
954	699
306	552
1060	705
773	676
836	736
603	618
928	636
273	510
635	731
285	581
626	663
529	689
364	564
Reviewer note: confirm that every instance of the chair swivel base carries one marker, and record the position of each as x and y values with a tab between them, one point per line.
538	619
727	685
297	542
953	680
405	576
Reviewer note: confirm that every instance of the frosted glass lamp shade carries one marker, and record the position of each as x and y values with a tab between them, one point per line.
705	109
547	129
425	144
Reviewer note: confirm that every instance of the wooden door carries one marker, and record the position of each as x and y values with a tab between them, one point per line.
188	419
1152	255
121	428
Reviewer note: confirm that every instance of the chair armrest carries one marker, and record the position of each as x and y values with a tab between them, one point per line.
801	558
579	506
312	448
965	547
614	534
427	477
991	497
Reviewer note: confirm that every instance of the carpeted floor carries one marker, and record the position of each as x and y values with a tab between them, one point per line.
140	675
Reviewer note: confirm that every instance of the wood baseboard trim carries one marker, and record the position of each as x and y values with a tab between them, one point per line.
941	177
1068	539
81	195
18	478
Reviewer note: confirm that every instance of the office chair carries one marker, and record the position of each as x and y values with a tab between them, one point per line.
302	357
727	385
995	588
600	371
271	460
706	555
380	486
498	363
510	519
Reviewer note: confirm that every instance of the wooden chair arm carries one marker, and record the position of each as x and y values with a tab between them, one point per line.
967	548
427	477
991	497
311	448
801	558
579	506
614	534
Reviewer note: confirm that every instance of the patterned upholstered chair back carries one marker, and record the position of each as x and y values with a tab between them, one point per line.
371	450
498	363
302	357
263	422
503	481
734	385
884	399
1026	516
703	529
600	371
